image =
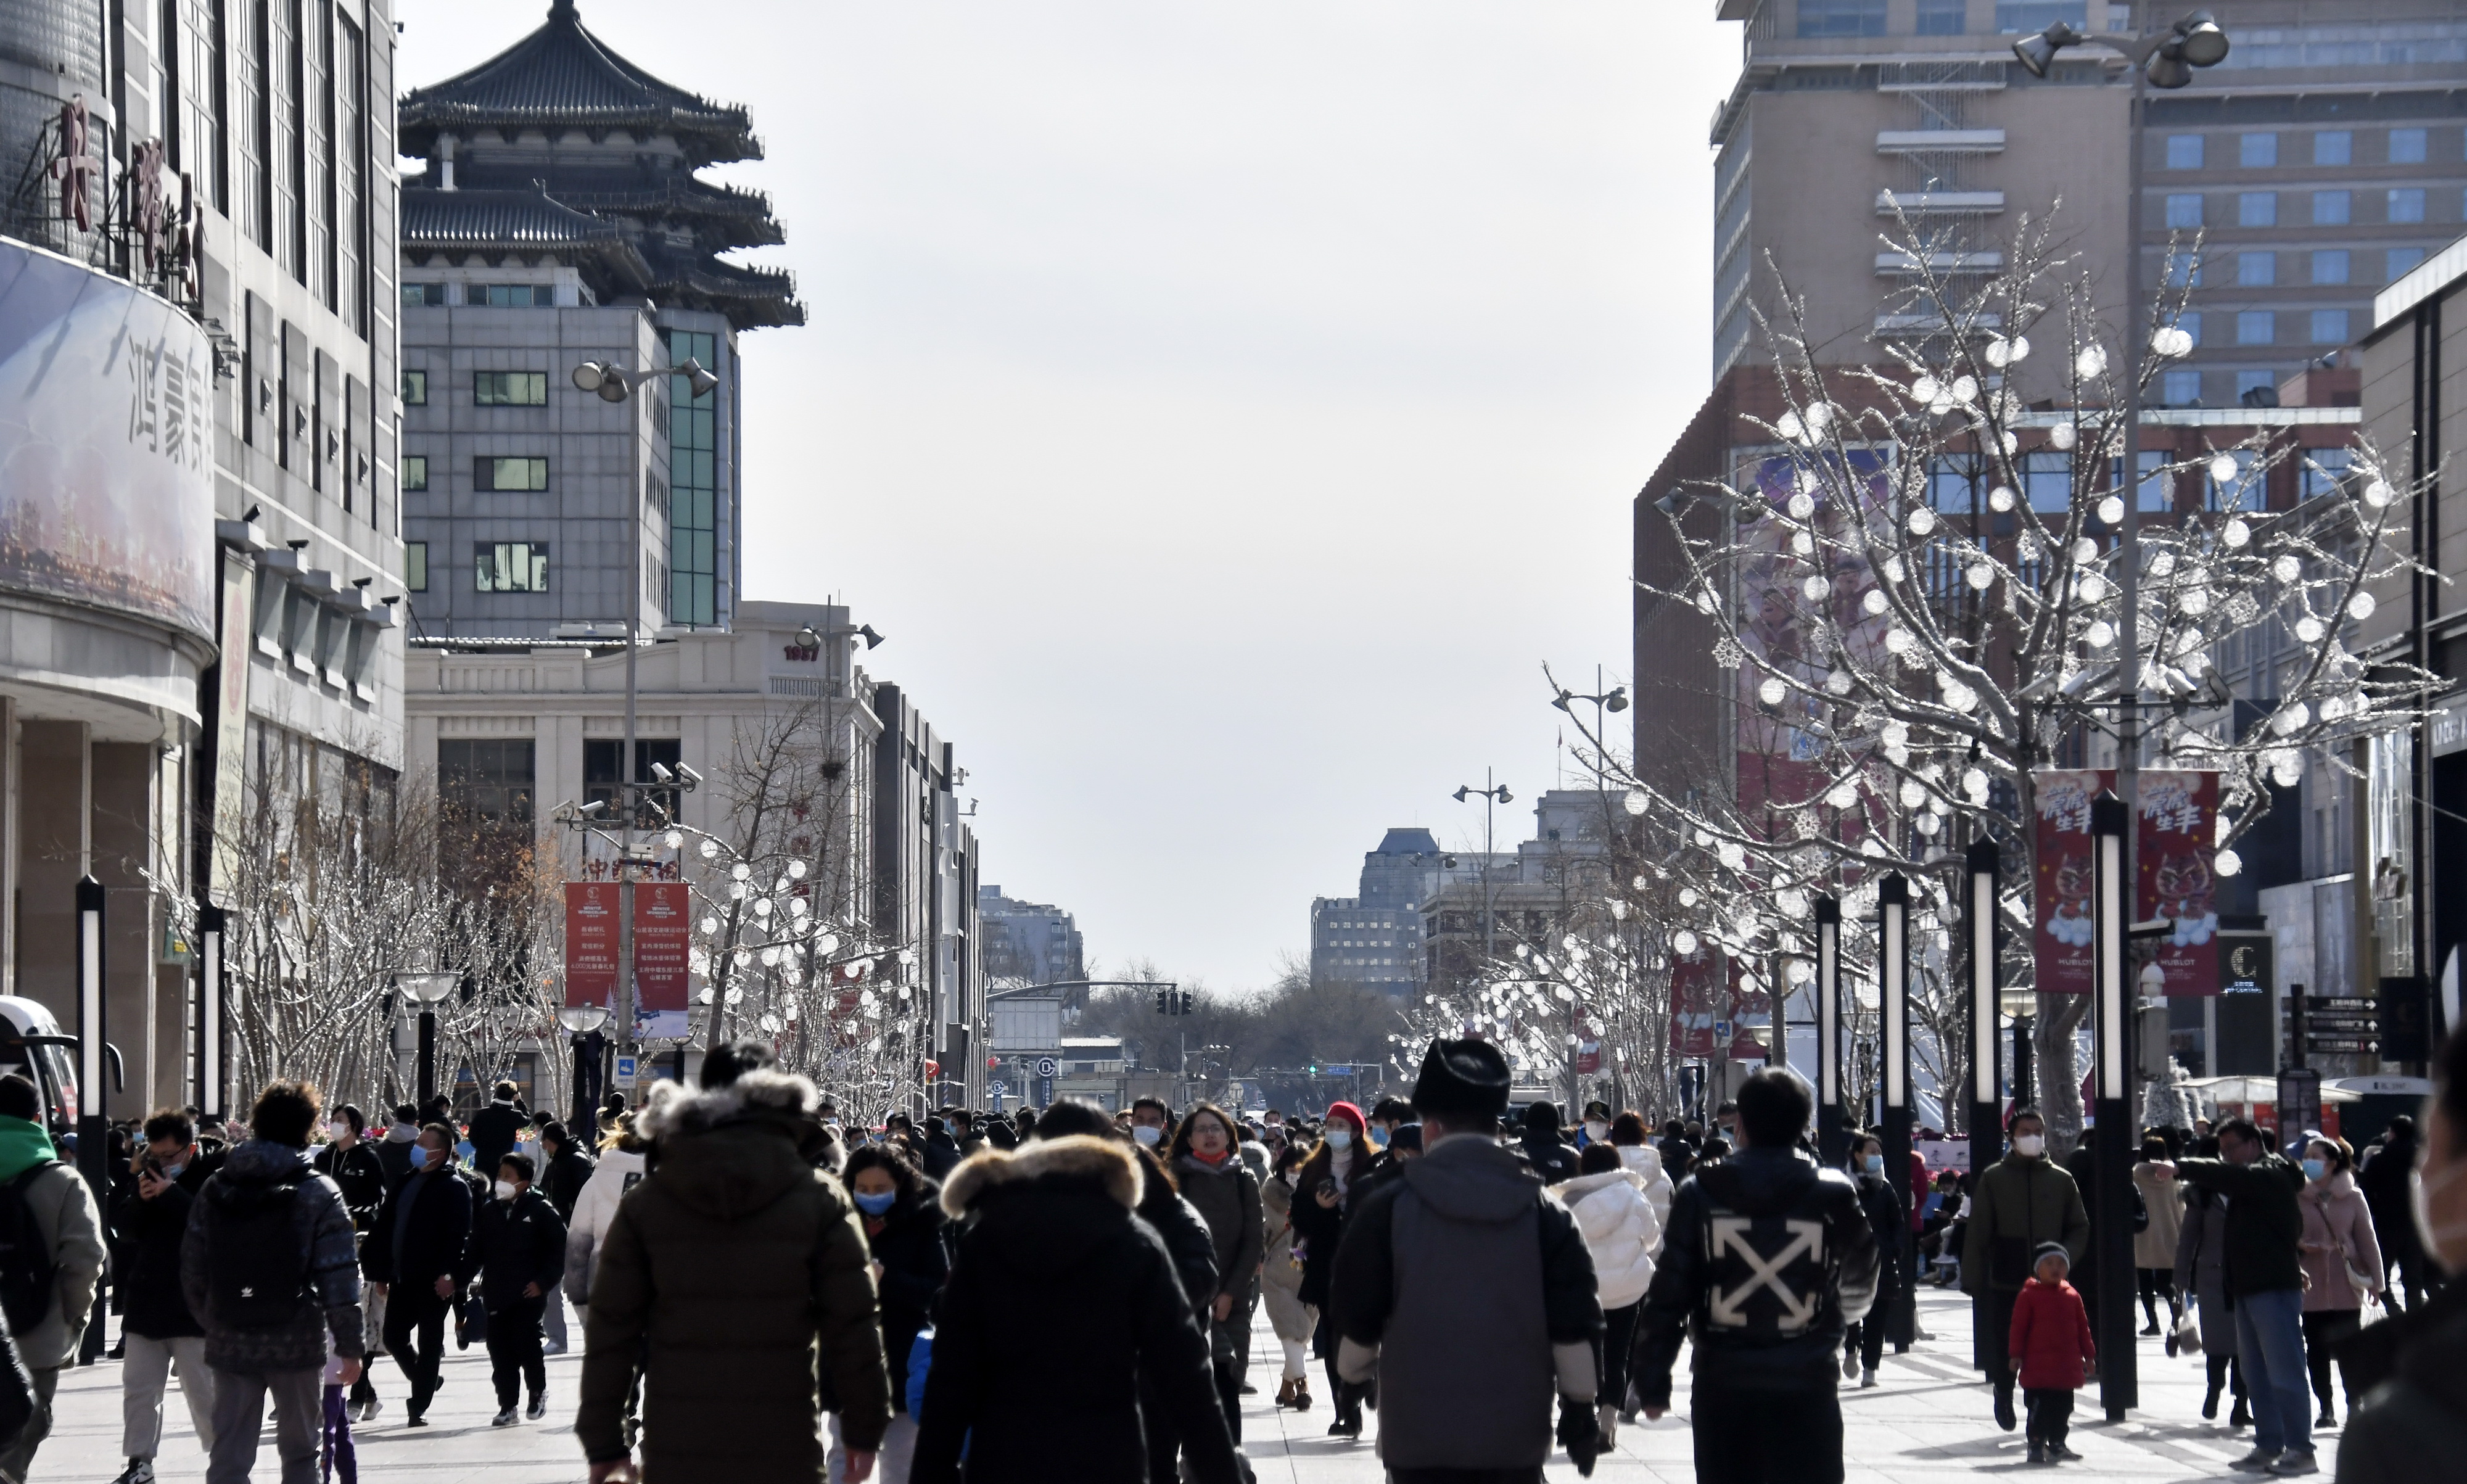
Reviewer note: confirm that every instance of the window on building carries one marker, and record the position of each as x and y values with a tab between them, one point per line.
2330	266
2181	388
603	763
2184	270
2334	147
2184	209
2257	270
2254	381
1953	484
2320	471
2158	488
2237	493
2406	203
2048	480
2406	147
510	388
509	296
415	472
511	566
2184	152
1840	17
2258	152
415	387
2191	322
2332	208
415	566
1943	17
508	476
416	296
2398	262
487	782
2256	327
2258	209
2329	327
2014	17
693	485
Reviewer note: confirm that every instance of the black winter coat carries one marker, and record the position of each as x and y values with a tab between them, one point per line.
1322	1228
515	1244
942	1155
2384	1181
393	1157
1552	1159
1054	1252
914	1263
563	1179
495	1130
1889	1216
435	1238
1184	1231
360	1175
153	1231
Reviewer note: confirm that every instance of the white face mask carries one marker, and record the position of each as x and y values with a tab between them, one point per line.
339	1130
2438	1217
1147	1134
1597	1130
2029	1146
1340	1138
505	1190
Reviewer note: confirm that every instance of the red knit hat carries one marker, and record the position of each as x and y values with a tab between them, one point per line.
1351	1115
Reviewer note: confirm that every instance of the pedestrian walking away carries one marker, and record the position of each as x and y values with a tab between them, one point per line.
2201	1276
564	1173
157	1327
1863	1340
2387	1178
519	1245
731	1280
268	1268
2052	1350
2265	1275
497	1128
2022	1202
621	1167
1767	1261
1622	1232
1469	1297
51	1259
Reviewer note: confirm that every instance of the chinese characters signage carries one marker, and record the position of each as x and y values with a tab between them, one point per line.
591	943
2174	836
662	936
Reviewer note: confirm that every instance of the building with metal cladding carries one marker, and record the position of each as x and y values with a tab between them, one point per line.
561	219
199	543
1029	942
927	872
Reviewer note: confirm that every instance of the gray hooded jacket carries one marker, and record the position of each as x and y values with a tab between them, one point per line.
322	1226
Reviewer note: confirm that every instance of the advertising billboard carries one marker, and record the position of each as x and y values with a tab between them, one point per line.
106	426
2174	840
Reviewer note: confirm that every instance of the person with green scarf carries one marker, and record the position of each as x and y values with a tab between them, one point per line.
71	1227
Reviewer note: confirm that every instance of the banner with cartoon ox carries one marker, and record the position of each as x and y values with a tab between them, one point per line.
2176	840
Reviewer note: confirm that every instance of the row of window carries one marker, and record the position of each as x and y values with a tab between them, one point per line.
1960	486
1824	18
491	475
481	296
488	388
2330	146
2260	326
2185	209
2319	265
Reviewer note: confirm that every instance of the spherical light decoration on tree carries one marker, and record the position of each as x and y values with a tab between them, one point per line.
2235	534
1922	520
710	926
2063	436
2360	606
1981	577
1997	352
1964	389
1838	682
2110	511
1898	641
1731	854
1812	588
2171	342
2090	363
2085	551
1925	389
2286	567
796	870
1999	499
1789	426
2099	634
2290	718
1914	793
1974	785
1772	692
1636	802
1791	901
1925	824
710	849
2092	587
1687	897
2310	630
1683	943
1892	569
1842	796
1802	544
2223	469
673	838
1874	602
2195	601
1801	505
2377	493
740	871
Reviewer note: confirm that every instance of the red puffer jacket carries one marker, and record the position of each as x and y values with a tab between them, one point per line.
2052	1336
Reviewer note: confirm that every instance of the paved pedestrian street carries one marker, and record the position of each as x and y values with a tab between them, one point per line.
1927	1420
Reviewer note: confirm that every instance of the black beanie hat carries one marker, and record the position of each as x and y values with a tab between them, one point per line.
2047	1249
1466	1078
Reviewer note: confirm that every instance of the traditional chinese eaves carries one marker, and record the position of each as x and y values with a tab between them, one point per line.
499	224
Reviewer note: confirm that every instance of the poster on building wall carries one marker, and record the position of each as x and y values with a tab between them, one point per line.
1694	978
2175	840
230	722
1750	1010
591	943
663	936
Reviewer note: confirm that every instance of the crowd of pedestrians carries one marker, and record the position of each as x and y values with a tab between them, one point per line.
767	1292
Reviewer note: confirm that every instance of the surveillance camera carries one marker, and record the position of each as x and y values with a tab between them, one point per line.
659	771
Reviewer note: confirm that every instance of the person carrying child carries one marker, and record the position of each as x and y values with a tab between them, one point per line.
2053	1351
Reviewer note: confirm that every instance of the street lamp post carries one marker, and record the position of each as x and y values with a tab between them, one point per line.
427	990
93	1121
1986	1109
2111	1149
1829	1133
580	1022
212	927
1894	1011
1493	793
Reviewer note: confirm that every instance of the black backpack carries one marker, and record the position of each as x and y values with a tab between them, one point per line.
257	1273
29	1278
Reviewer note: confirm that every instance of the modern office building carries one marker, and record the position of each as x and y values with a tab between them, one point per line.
927	875
560	219
200	555
1375	938
1029	942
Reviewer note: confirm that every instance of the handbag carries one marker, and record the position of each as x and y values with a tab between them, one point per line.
2188	1333
470	1320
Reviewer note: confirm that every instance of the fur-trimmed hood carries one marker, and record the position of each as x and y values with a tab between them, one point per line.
1079	1160
676	1109
730	1152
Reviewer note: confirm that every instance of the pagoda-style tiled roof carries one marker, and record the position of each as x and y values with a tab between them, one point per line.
498	224
721	217
751	298
561	76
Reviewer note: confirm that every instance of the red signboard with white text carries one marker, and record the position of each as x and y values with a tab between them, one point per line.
663	936
591	943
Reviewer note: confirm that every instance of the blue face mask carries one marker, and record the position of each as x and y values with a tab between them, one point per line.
2315	1169
420	1156
1873	1164
876	1205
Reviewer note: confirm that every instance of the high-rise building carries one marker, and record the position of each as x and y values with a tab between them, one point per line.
561	219
1029	943
199	562
927	870
1373	938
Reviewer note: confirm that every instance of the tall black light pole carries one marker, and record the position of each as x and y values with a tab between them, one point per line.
1495	793
212	1001
1830	1135
2112	1216
1893	1007
427	990
1986	1106
94	1120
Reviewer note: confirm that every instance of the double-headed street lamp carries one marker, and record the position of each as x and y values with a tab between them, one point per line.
1495	793
580	1022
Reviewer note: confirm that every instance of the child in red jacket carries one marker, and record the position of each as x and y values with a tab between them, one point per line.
2053	1351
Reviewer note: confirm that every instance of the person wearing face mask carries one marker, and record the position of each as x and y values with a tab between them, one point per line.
1863	1344
904	1230
2343	1264
1150	1122
1596	1129
2412	1370
518	1244
421	1251
1322	1197
2021	1201
2265	1224
1213	1178
159	1329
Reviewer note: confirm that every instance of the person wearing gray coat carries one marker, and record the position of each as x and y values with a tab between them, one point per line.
2202	1276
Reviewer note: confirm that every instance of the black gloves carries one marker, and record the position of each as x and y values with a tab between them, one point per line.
1579	1434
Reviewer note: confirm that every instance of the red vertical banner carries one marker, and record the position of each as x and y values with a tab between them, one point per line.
2178	835
591	943
662	935
1749	1007
1694	978
2061	847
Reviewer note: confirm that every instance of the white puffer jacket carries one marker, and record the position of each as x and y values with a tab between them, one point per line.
618	1172
1620	1228
1647	1161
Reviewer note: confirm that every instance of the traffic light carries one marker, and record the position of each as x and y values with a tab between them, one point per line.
1161	1001
1186	999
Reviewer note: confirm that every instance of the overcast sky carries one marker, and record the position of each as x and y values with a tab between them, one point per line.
1225	408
